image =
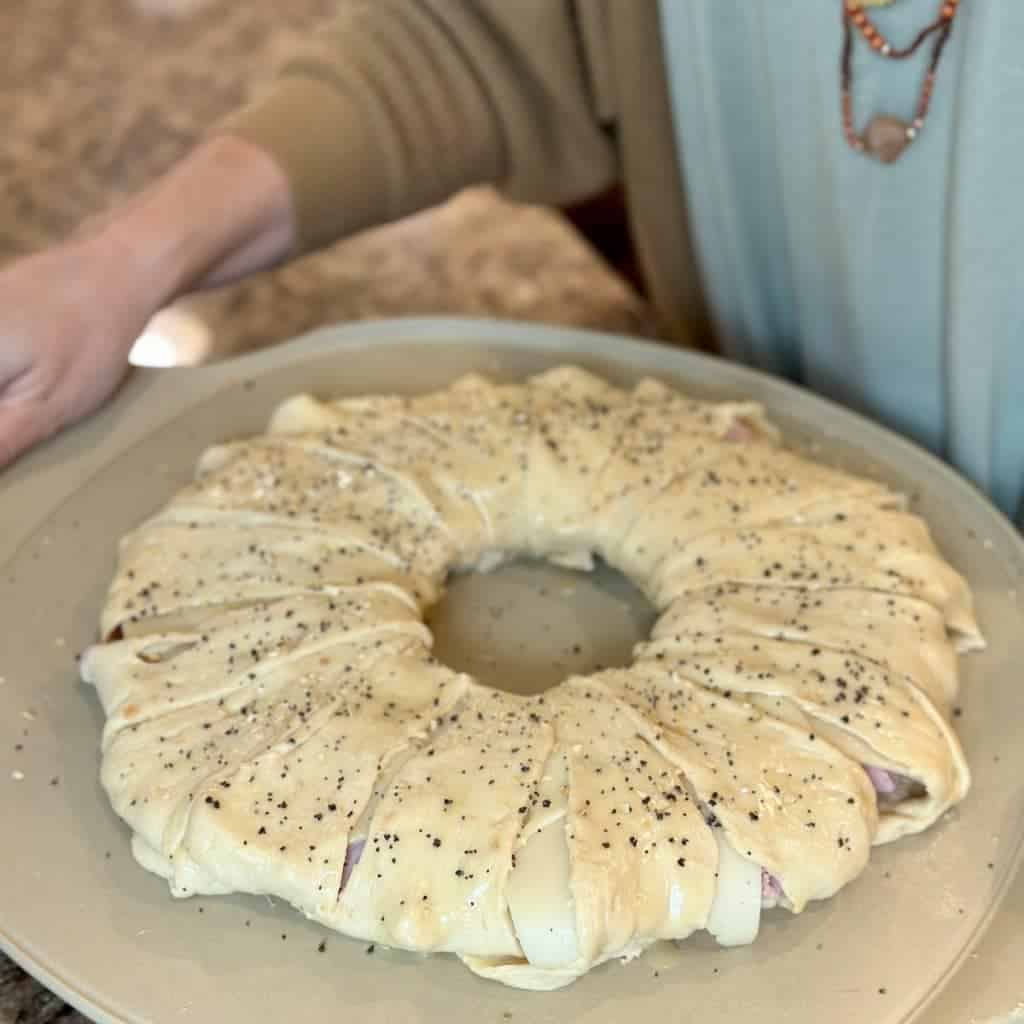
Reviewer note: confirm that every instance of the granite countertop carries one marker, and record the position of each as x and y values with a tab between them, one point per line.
99	96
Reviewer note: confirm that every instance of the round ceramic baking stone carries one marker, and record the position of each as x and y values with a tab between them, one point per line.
78	912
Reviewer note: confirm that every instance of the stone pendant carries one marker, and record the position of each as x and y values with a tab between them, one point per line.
886	137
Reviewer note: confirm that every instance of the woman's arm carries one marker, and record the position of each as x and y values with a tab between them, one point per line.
222	213
70	315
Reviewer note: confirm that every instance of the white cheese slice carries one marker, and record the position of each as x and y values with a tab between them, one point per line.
539	892
735	916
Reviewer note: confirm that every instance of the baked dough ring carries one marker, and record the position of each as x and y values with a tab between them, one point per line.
276	723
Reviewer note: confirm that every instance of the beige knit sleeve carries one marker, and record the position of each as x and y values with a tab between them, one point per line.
403	102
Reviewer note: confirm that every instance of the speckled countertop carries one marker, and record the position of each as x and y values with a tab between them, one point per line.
98	96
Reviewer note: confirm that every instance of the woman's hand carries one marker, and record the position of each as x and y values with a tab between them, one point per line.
68	320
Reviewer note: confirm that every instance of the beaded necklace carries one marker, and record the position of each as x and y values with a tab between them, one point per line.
887	137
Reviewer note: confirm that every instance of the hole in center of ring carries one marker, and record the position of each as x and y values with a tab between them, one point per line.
528	625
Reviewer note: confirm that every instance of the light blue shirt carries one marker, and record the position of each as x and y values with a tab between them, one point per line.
897	290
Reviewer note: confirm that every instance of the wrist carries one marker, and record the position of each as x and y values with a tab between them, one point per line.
225	199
